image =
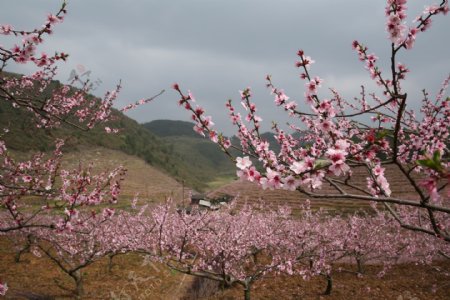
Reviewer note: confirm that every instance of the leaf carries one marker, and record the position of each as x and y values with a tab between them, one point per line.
433	163
426	163
437	156
382	133
320	163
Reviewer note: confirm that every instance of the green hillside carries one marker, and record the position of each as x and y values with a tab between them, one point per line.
132	139
166	128
203	157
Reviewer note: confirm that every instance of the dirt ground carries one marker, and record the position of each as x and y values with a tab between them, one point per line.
404	282
135	277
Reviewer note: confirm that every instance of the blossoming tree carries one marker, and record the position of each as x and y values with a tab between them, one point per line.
41	176
330	141
59	192
73	250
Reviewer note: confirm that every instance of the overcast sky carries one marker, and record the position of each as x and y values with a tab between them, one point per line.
216	48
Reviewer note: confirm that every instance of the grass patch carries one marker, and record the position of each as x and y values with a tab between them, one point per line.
220	181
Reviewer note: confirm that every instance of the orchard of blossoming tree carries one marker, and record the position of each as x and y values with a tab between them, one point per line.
239	246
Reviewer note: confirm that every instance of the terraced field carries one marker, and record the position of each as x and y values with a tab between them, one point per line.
250	193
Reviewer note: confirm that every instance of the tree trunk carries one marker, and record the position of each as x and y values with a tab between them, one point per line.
329	285
20	252
247	293
110	262
360	265
247	288
79	290
26	248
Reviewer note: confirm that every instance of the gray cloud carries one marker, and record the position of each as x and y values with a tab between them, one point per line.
215	48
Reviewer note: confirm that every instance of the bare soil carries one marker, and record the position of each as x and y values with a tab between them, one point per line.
134	277
403	282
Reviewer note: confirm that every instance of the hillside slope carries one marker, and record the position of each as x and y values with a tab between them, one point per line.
203	157
152	185
170	128
132	139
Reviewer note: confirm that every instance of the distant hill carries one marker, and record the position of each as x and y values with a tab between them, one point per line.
166	128
203	157
270	137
